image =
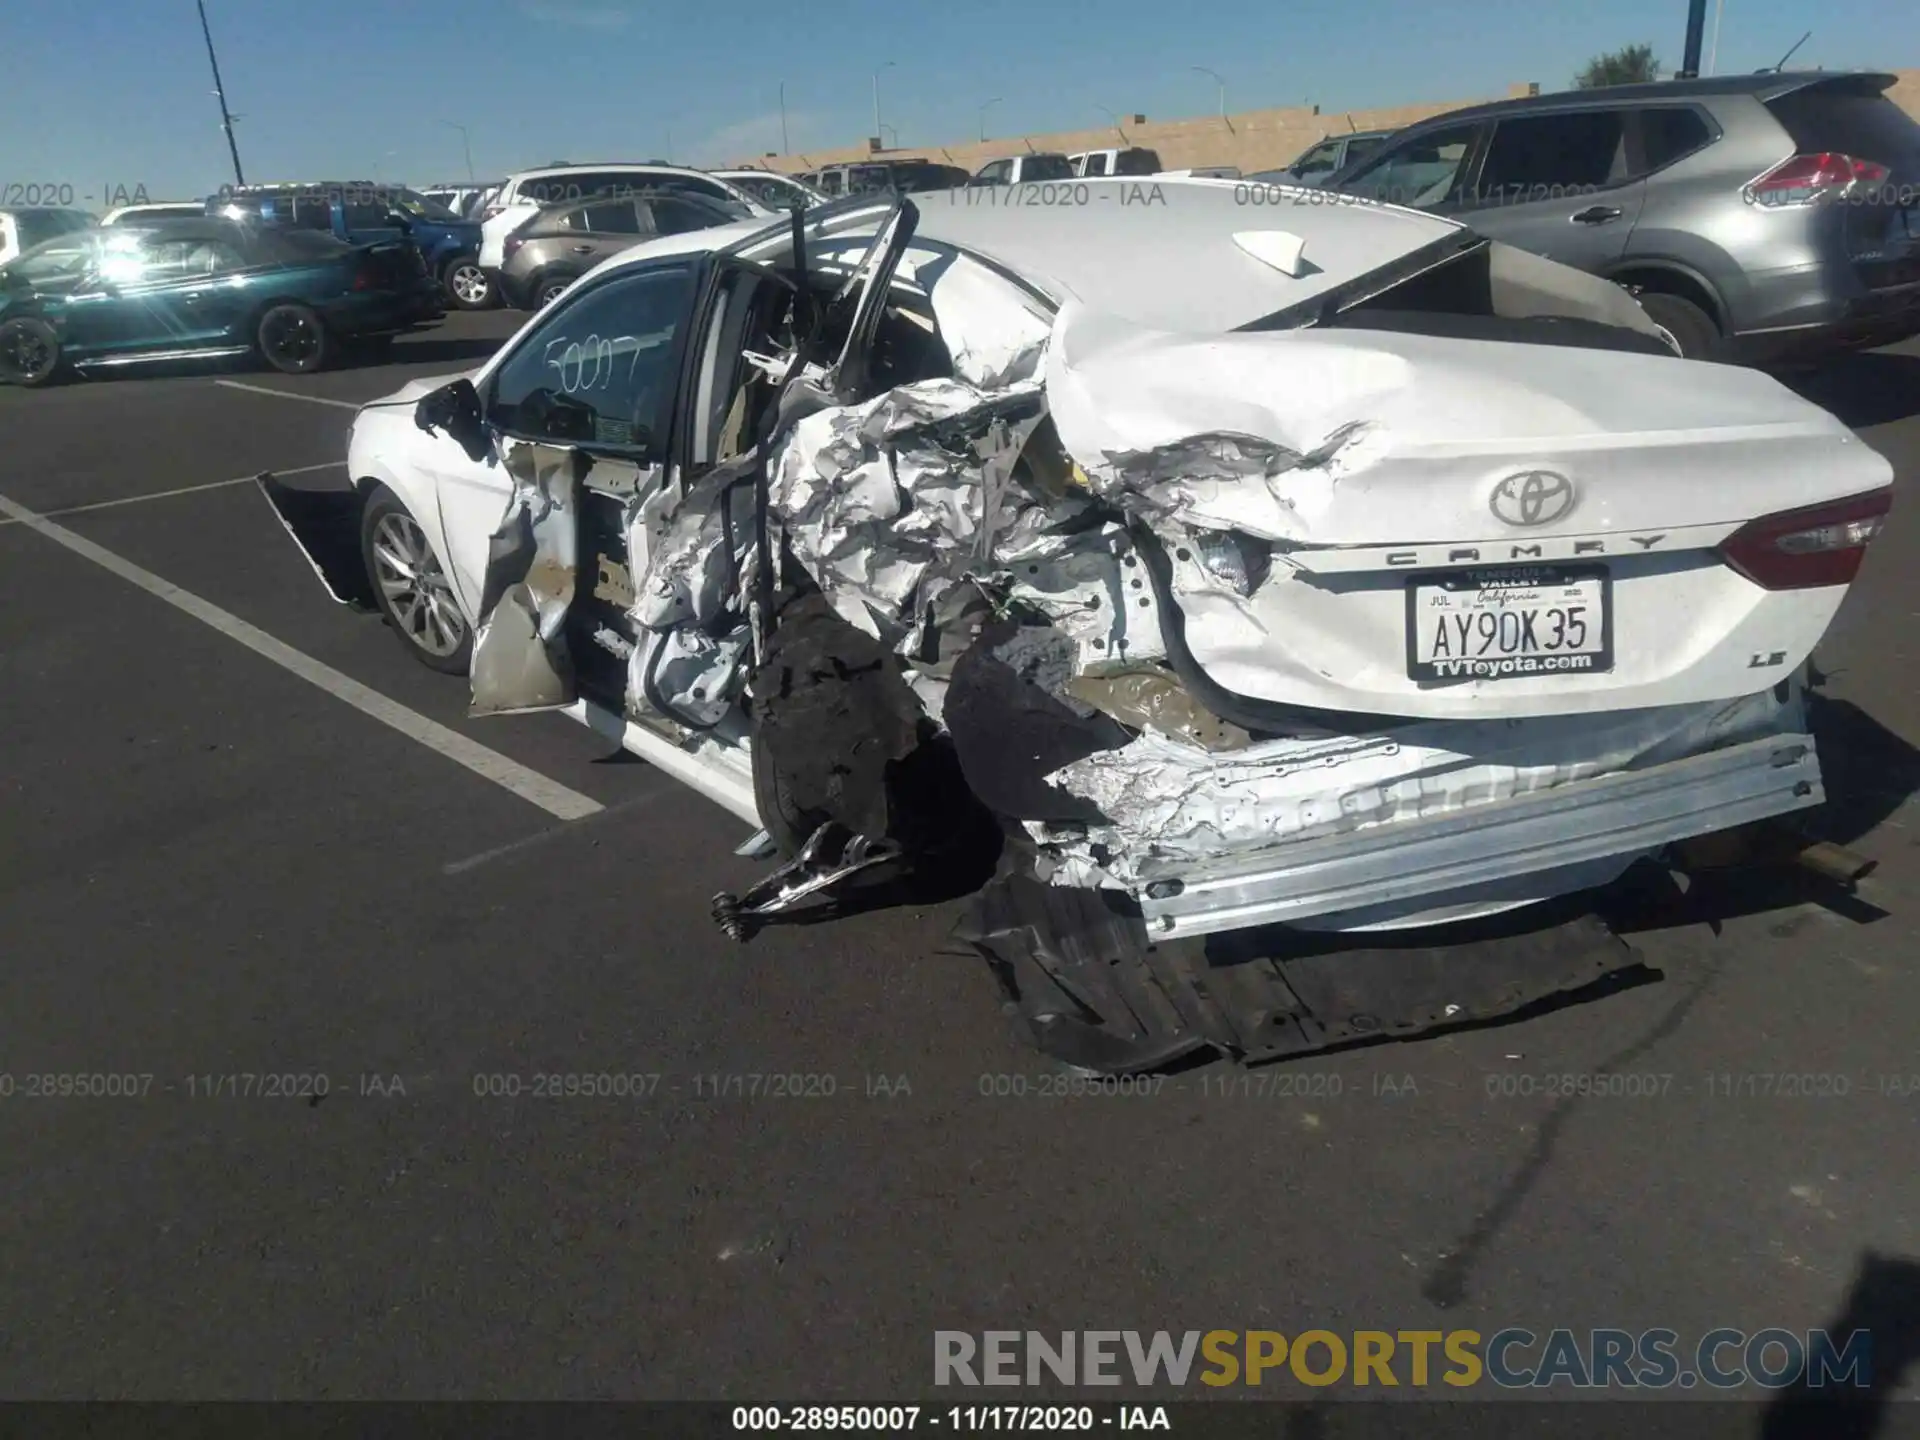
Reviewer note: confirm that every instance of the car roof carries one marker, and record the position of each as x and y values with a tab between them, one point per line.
1768	85
1172	265
635	166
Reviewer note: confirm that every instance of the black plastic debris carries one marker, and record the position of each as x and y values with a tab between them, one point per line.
1091	989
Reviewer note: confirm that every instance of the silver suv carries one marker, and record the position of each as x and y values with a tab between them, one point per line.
1759	218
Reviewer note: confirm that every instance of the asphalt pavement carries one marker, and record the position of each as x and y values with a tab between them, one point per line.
219	878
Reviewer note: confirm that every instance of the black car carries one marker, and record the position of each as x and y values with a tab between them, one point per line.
201	289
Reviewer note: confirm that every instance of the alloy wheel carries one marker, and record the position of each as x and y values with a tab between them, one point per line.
469	283
291	337
25	354
415	588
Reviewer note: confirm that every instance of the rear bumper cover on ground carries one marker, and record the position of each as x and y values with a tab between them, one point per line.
1473	852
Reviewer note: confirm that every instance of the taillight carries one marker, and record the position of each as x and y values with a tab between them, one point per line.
1801	549
509	245
1805	179
366	277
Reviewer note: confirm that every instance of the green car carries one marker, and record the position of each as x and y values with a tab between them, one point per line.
204	289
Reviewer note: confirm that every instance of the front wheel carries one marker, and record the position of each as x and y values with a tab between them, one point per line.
411	587
293	340
467	284
29	351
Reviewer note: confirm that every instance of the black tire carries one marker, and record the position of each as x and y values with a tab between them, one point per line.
547	287
29	351
468	287
1691	327
292	339
415	597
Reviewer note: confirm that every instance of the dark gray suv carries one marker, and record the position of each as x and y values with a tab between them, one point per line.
1759	218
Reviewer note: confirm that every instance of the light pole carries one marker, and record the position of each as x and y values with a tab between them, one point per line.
783	117
1116	122
1203	70
669	144
983	118
893	130
465	147
226	119
876	99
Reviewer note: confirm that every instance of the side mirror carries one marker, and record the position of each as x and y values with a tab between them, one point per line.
455	410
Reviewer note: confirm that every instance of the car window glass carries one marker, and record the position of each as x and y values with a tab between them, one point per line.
677	214
1547	157
1669	131
1358	148
1137	162
362	215
1096	164
1046	167
599	369
1419	171
1319	160
310	212
609	217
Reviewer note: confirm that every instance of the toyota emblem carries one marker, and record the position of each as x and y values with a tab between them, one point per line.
1533	497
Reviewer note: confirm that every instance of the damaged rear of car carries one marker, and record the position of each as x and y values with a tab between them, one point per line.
1353	576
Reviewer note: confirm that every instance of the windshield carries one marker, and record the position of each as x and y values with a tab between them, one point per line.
57	262
412	202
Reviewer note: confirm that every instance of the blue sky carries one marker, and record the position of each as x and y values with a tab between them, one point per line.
95	93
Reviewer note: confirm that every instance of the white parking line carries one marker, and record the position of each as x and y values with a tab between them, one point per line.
183	490
531	786
288	394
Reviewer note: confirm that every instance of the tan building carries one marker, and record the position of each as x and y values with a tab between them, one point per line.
1253	141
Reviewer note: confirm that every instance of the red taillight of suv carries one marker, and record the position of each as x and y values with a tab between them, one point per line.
367	277
1805	179
509	245
1802	549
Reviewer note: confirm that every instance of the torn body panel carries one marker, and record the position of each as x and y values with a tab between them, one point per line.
520	656
1298	830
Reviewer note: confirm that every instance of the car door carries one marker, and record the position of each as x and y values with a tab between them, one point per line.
129	300
597	370
609	227
1558	183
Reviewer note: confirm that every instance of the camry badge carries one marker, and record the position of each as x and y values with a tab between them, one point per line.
1533	497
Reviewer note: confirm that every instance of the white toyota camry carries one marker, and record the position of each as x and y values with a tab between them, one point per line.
1320	566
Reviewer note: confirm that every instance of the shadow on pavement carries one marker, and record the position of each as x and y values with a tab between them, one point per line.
1871	387
1884	1302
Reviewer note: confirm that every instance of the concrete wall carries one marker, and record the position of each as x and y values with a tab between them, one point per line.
1254	140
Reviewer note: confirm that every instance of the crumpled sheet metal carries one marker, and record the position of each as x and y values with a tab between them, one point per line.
1250	432
697	674
1156	700
520	658
890	502
1171	801
996	336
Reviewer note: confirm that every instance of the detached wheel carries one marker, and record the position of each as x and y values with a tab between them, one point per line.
293	340
1690	329
29	351
467	284
411	587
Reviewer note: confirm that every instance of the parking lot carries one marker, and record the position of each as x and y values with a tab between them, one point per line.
239	843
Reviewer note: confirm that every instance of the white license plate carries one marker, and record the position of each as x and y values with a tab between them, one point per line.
1506	623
